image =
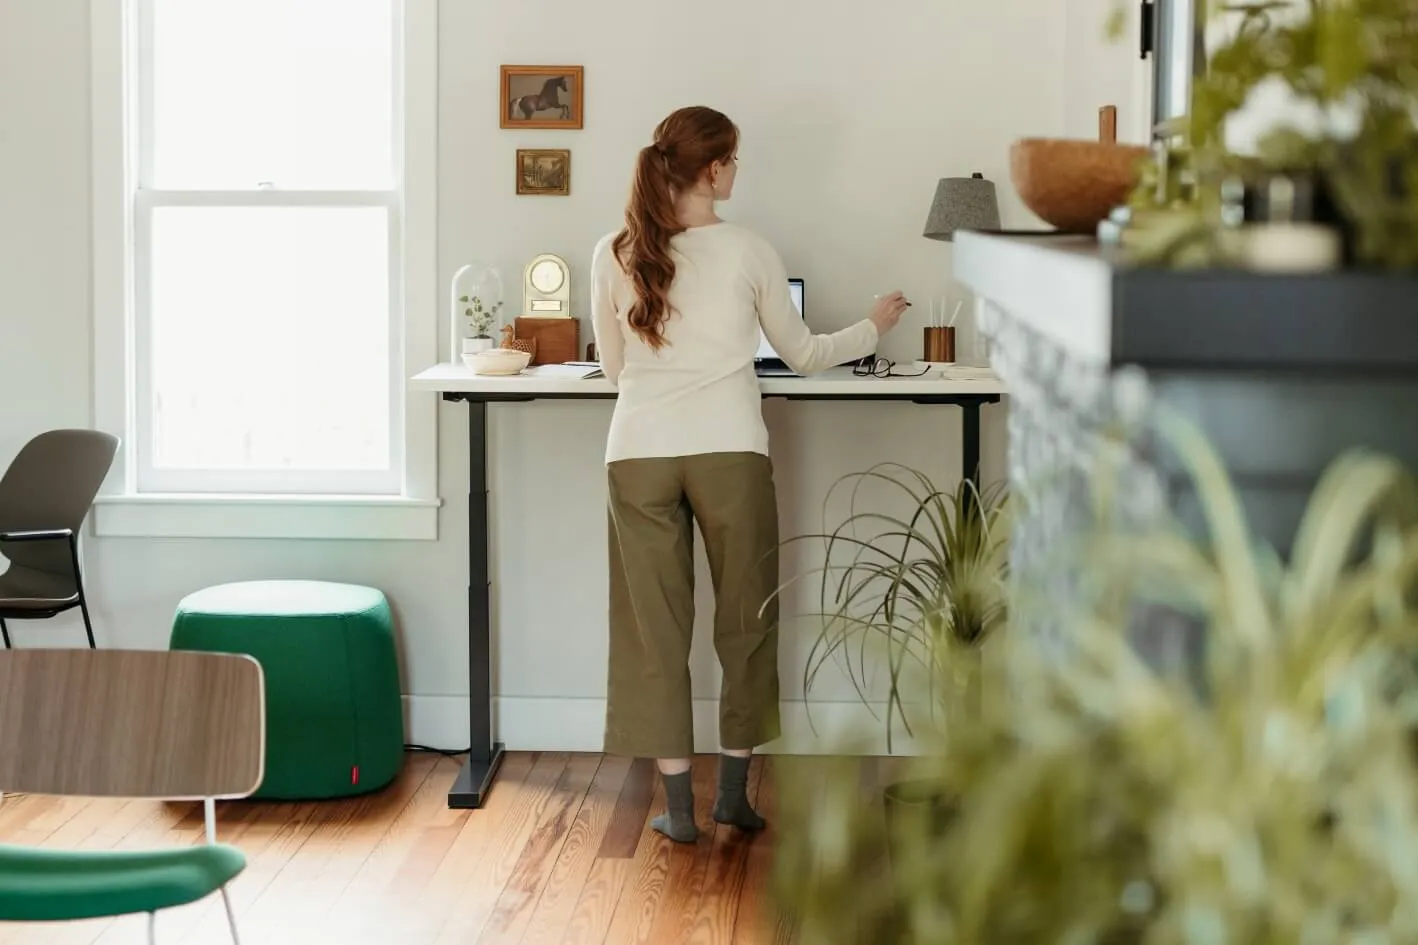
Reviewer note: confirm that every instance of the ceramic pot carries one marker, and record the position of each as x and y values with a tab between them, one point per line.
476	345
917	805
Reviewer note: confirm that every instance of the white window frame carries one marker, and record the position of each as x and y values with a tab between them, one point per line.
141	502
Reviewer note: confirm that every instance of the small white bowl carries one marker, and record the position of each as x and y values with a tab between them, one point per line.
498	362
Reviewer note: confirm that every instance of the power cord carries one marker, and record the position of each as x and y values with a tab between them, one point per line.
445	752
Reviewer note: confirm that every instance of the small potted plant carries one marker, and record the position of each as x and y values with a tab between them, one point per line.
481	317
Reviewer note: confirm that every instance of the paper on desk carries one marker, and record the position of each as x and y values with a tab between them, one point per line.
967	372
579	371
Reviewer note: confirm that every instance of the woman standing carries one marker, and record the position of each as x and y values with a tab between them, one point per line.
678	297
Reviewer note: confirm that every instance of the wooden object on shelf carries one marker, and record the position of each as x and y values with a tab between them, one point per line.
509	340
1108	124
557	340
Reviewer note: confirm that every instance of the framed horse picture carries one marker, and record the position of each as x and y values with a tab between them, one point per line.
542	96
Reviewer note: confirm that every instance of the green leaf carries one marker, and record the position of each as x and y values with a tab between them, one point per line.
1115	26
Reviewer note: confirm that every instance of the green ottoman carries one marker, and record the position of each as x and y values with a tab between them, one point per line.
334	716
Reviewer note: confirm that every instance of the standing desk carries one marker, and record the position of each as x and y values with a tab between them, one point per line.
457	383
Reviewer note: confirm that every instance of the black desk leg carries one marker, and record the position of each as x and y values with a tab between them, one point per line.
970	442
471	788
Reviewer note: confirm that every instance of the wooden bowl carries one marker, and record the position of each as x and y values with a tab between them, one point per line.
1073	184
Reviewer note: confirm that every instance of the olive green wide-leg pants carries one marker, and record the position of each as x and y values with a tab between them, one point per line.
654	504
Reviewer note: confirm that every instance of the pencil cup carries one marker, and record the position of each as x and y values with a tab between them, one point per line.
939	344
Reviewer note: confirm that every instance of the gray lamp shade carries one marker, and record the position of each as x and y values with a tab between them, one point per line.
962	203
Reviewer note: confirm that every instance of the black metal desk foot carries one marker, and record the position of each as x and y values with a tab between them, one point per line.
474	782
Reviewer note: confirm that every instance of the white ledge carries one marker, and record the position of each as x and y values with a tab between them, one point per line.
157	515
1059	286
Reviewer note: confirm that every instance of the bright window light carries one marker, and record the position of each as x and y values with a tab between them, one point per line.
267	266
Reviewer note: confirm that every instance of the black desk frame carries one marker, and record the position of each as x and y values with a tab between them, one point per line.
474	781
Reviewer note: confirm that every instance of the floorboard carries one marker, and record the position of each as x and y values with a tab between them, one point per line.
562	854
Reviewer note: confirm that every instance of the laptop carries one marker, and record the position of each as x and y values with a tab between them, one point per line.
766	361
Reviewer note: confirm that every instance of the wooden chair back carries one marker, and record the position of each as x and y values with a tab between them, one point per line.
175	725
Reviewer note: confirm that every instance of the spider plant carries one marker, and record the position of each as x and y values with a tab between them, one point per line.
920	590
1114	802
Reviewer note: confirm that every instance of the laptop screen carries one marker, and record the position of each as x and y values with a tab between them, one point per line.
765	350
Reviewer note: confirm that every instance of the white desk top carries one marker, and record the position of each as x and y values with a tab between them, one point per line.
456	378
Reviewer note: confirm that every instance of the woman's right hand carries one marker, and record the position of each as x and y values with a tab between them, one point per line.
887	311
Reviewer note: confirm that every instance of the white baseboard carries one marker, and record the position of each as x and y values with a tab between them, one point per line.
527	723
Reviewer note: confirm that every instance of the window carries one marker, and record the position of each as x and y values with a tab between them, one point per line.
264	263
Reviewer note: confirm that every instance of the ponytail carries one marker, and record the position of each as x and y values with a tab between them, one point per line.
643	247
686	144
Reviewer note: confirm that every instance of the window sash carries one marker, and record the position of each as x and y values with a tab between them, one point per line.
151	479
142	41
144	200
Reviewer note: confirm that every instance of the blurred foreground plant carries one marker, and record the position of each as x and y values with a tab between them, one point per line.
1272	800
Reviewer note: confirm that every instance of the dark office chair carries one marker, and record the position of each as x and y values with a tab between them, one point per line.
44	497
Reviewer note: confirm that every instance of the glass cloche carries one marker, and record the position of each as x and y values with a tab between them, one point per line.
475	309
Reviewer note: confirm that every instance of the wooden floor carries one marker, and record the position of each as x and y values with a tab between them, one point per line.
562	853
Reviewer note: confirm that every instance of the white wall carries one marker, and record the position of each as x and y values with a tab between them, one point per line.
849	115
1100	71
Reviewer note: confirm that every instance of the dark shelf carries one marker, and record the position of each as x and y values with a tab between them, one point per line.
1331	322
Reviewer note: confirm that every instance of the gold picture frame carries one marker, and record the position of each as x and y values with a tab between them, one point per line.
543	172
543	97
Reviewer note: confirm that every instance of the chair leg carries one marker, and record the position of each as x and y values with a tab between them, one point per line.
5	632
88	625
230	917
79	584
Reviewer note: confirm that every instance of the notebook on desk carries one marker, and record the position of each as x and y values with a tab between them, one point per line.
575	370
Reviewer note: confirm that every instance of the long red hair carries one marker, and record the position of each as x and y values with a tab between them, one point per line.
686	144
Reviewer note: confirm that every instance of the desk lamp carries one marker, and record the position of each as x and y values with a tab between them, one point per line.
962	203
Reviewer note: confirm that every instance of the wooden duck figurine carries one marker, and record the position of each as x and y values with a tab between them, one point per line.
529	345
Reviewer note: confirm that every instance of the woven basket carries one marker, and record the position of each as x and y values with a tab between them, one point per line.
1073	183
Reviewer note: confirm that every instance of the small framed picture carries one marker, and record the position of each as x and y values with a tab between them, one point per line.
543	96
543	173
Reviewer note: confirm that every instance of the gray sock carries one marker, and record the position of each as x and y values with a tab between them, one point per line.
677	822
731	806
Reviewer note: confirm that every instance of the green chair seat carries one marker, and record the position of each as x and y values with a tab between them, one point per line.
59	885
